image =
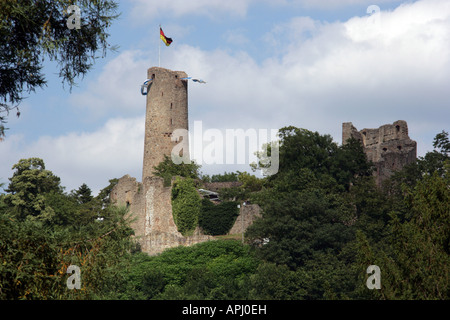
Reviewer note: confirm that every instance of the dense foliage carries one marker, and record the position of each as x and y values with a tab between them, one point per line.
212	270
248	184
324	218
324	221
44	230
217	219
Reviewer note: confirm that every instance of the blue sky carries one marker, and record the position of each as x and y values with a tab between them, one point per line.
267	63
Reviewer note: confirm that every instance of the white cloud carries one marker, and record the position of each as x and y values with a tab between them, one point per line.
84	157
117	88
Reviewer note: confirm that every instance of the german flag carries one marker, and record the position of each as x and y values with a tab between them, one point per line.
165	39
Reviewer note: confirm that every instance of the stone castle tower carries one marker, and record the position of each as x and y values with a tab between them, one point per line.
167	110
388	147
150	202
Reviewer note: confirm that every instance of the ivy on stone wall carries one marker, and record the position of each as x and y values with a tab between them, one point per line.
186	204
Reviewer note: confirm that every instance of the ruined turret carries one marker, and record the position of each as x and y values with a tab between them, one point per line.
388	147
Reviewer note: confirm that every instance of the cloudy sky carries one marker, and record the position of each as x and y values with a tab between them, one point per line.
312	64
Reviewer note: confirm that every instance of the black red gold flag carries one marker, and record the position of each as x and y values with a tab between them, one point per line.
165	39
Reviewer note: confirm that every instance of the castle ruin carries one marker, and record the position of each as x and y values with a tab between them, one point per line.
150	201
388	147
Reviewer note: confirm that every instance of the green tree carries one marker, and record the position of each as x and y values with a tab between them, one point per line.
297	224
371	209
250	183
416	266
274	282
66	211
311	209
27	189
442	142
331	165
29	261
83	194
31	31
105	194
167	169
433	161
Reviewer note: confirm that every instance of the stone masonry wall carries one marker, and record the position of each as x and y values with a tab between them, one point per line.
247	215
128	192
388	147
150	206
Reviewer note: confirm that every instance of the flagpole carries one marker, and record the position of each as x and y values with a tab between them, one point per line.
159	51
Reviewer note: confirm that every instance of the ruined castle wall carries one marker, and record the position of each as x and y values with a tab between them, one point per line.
128	192
160	230
150	205
388	147
247	215
157	241
349	131
158	206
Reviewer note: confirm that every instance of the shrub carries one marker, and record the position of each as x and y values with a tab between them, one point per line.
217	219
